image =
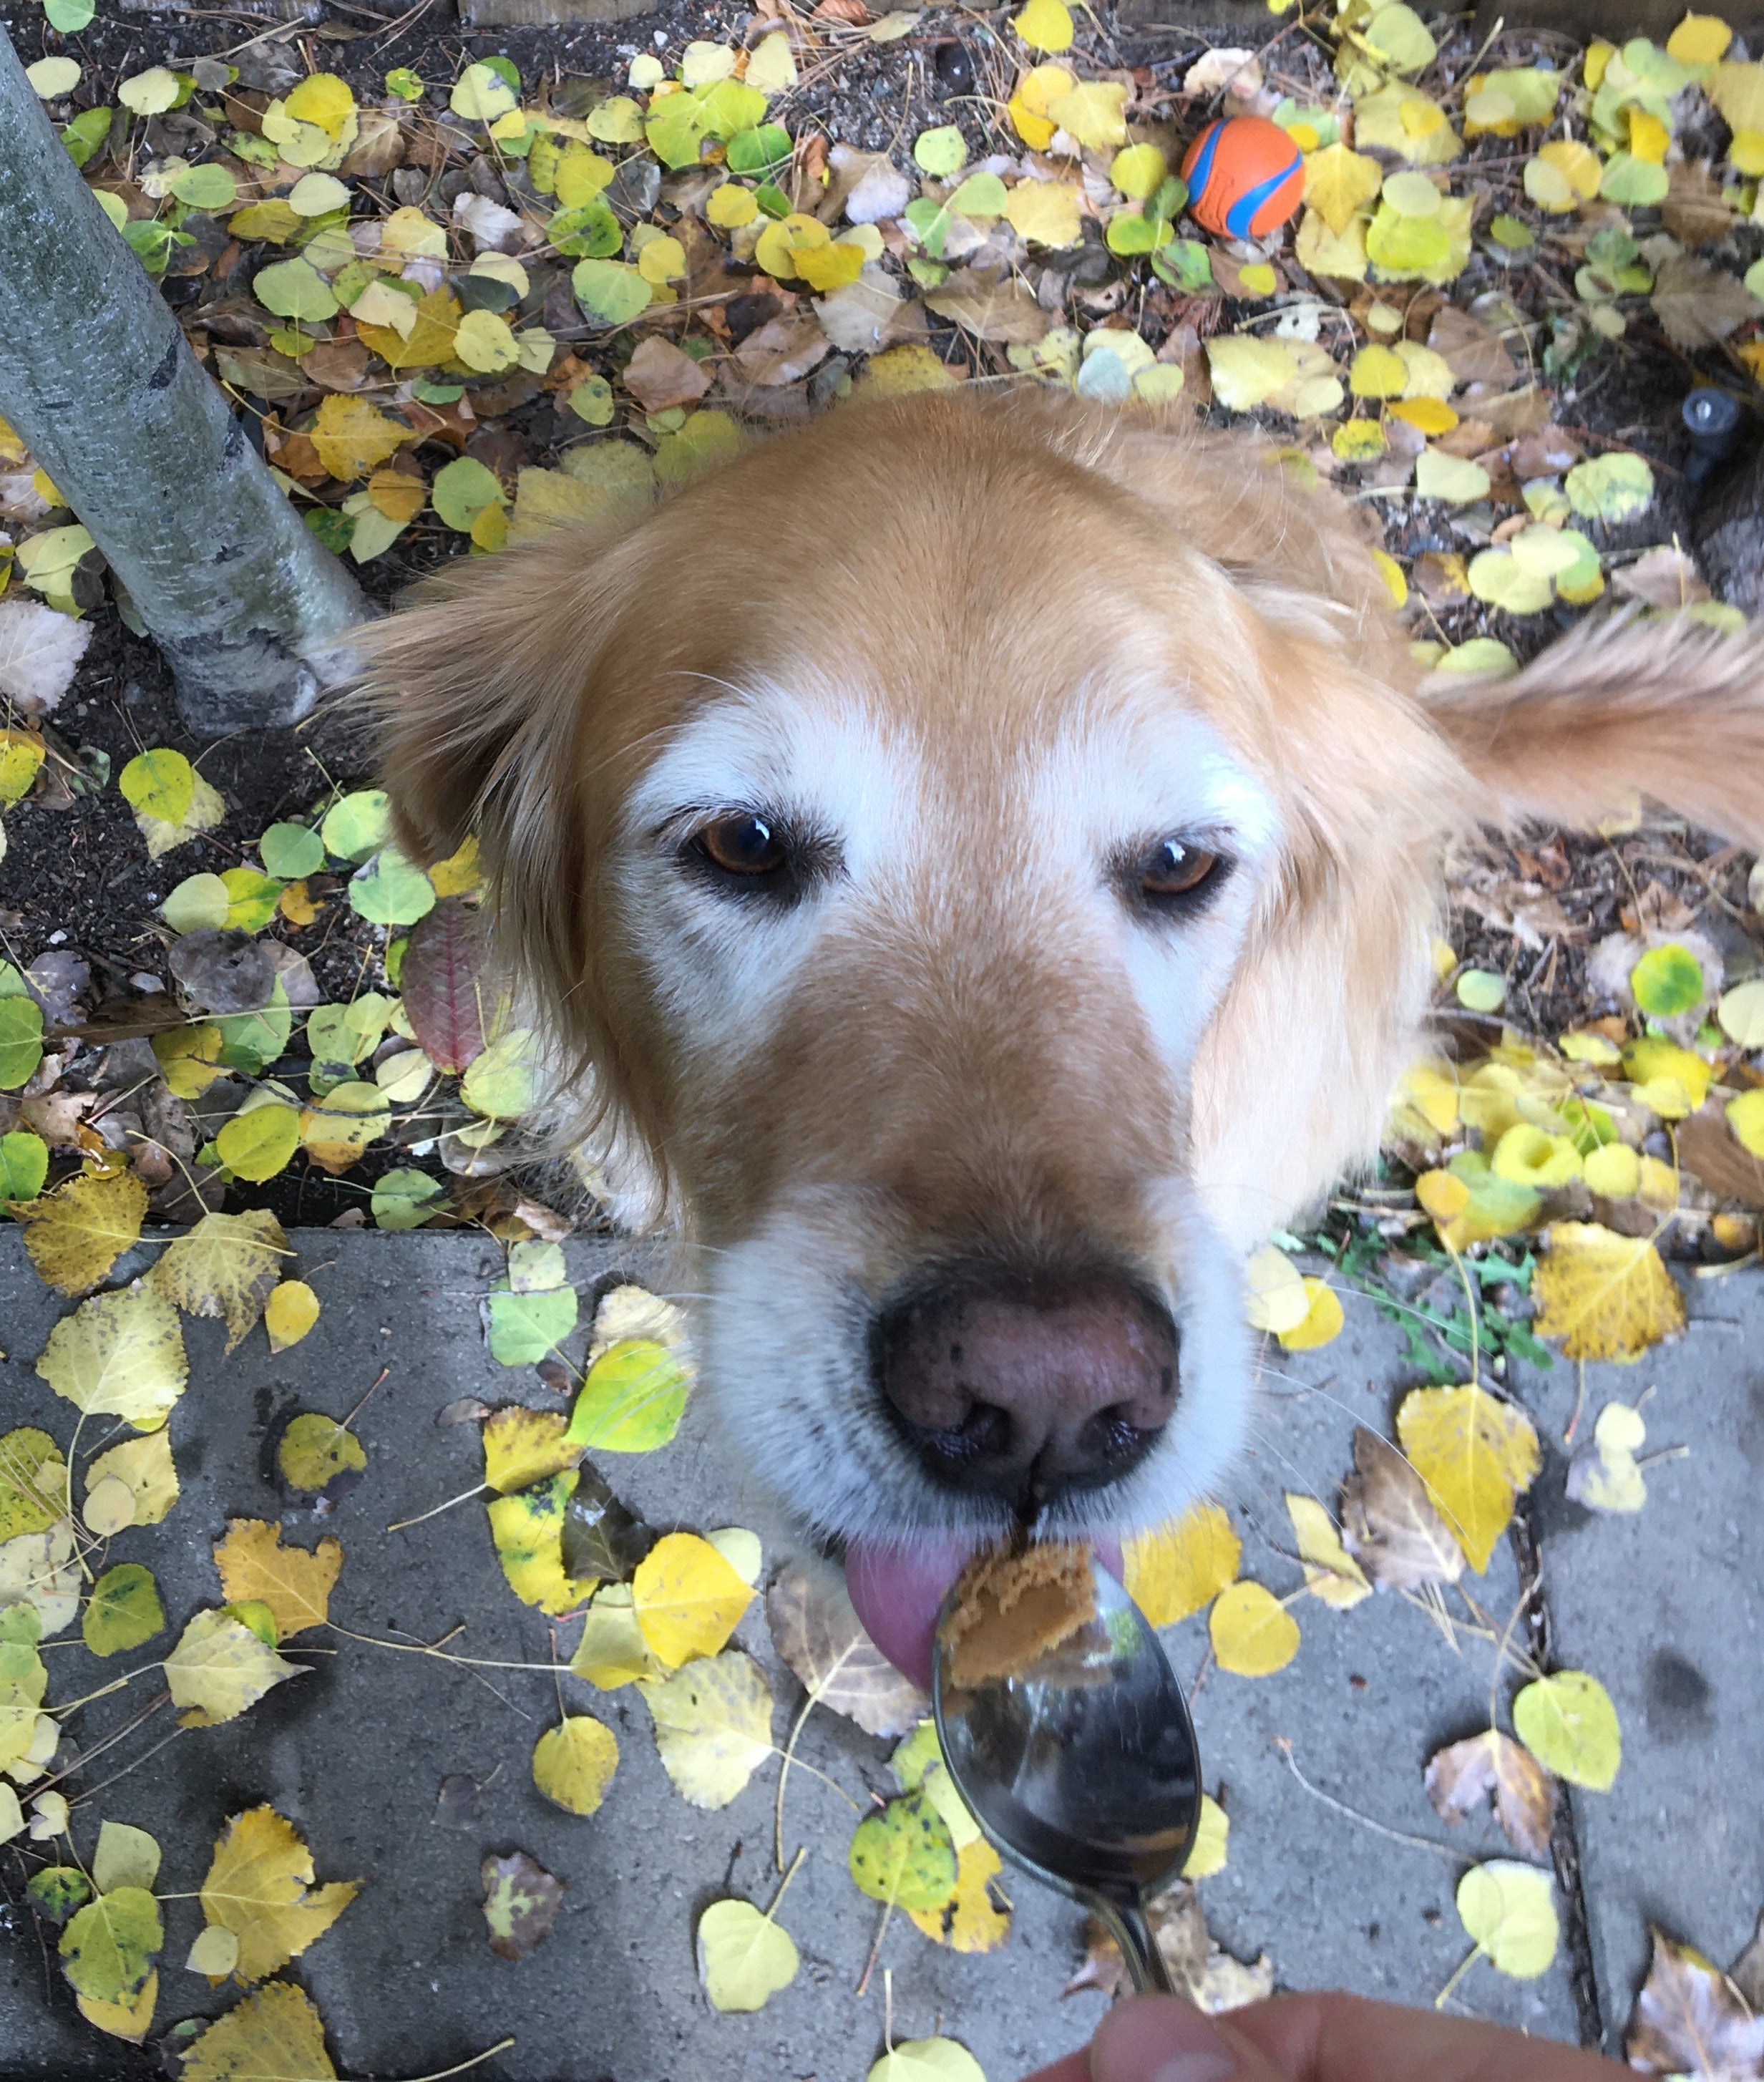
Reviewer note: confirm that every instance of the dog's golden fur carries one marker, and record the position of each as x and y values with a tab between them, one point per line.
981	581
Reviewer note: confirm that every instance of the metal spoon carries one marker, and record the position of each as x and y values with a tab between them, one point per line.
1083	1769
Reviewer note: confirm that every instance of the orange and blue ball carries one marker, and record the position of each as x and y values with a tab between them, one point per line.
1245	177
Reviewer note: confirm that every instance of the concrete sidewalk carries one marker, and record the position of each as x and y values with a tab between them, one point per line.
1667	1609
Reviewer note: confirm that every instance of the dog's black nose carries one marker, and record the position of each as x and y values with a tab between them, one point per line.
1024	1388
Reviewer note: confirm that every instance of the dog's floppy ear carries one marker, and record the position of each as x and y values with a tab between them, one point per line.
1670	708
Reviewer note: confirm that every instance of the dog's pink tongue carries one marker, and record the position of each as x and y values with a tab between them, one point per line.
898	1592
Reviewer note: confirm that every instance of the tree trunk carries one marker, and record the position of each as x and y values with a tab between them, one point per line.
97	377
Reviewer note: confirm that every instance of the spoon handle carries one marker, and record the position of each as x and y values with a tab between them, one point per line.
1146	1966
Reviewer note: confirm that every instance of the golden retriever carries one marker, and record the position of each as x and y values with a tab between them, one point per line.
979	859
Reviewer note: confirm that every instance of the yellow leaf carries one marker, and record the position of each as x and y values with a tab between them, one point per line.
276	2031
1322	1318
145	1464
1613	1171
1568	1724
130	2020
322	98
527	1531
1340	254
712	1726
1606	1296
686	1598
1331	1573
1401	119
1339	182
826	267
1395	577
1273	1291
1045	212
1377	373
227	1265
33	1482
613	1651
1246	371
730	206
971	1920
1045	25
220	1668
255	1568
522	1446
1474	1454
289	1313
1254	1634
784	239
1578	164
1092	113
1036	93
1431	1088
118	1355
1212	1835
75	1234
1433	415
1183	1565
430	340
259	1887
459	873
744	1959
1528	1156
1670	1081
573	1763
1746	1117
337	1127
1699	39
351	436
22	753
1509	1913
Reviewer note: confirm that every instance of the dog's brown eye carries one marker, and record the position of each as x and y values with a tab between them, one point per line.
742	845
1177	870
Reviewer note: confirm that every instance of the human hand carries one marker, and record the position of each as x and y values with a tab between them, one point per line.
1312	2038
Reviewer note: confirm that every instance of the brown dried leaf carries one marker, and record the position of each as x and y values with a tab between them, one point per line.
1388	1522
1210	1978
1699	305
1708	1150
1664	577
521	1901
815	1630
1695	210
1459	1778
659	375
1689	2019
1004	312
782	351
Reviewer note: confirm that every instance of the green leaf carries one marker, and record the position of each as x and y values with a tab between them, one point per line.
69	16
123	1611
294	289
389	890
57	1891
290	851
257	1144
361	823
499	1082
744	1959
251	899
632	1400
589	231
253	1040
24	1165
1668	980
1611	488
609	292
90	128
1481	990
159	783
1569	1725
759	151
199	903
205	187
941	152
21	1041
404	1200
461	490
108	1949
405	84
526	1328
676	130
1633	183
315	1450
905	1855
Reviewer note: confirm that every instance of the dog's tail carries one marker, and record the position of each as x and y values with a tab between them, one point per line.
1625	706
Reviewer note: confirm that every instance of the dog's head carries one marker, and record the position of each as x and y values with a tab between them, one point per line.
983	857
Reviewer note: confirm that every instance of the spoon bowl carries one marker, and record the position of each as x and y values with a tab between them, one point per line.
1082	1768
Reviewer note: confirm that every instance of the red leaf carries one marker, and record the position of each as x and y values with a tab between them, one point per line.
445	996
